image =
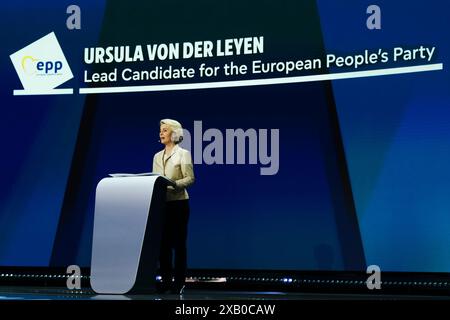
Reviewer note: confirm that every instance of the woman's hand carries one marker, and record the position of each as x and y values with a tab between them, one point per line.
173	186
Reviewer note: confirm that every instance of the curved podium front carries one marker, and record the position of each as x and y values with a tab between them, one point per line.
127	233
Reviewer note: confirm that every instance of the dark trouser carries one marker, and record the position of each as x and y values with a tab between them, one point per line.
174	235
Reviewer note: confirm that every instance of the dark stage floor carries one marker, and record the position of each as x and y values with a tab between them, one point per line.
45	293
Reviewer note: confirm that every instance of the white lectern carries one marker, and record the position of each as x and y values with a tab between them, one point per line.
127	233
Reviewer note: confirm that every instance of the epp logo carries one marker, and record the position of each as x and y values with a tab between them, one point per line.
41	66
33	66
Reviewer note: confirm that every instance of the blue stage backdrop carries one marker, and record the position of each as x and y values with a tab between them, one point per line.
331	175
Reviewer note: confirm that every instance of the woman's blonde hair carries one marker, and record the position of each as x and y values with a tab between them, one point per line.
177	129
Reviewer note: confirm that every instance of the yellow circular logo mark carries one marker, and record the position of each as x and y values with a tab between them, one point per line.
29	65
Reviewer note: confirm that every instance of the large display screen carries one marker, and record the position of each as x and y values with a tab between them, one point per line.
319	129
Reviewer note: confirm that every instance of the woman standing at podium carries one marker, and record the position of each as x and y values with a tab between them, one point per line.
176	164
